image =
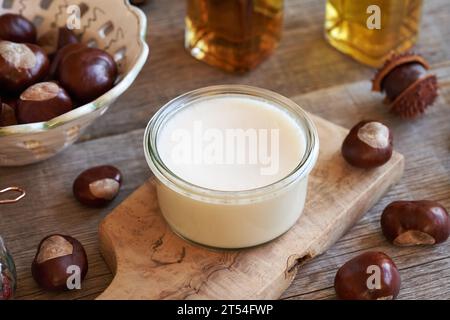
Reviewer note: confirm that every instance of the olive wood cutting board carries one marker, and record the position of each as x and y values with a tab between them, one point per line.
151	262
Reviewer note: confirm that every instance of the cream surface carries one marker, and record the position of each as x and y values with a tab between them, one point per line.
231	143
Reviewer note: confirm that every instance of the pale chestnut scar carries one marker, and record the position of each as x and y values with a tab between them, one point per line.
105	188
41	92
18	55
414	237
54	247
374	134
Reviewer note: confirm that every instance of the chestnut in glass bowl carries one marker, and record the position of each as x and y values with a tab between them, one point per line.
16	28
28	143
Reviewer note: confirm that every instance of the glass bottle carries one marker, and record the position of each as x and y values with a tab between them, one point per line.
234	35
8	276
371	30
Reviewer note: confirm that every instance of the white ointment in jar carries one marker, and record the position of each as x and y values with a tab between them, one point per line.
232	164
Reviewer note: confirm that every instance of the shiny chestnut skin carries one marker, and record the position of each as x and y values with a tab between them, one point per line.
410	88
354	280
369	144
55	254
16	28
21	65
401	78
7	114
97	186
407	223
86	73
61	53
42	102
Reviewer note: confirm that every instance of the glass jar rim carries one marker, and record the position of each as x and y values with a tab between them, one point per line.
178	184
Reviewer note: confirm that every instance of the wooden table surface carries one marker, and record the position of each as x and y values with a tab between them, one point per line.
303	63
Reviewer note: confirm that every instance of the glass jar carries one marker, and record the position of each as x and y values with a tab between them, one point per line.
231	219
371	30
234	35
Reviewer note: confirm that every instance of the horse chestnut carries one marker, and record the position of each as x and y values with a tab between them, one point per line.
42	102
16	28
21	65
58	258
369	276
85	72
406	223
61	53
401	77
98	186
410	88
368	145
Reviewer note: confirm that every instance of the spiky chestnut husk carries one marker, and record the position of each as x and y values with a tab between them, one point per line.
420	93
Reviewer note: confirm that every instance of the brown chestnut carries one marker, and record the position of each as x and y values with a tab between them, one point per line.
21	65
16	28
98	186
401	77
60	263
369	276
7	115
369	144
407	223
61	53
410	88
42	102
86	73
